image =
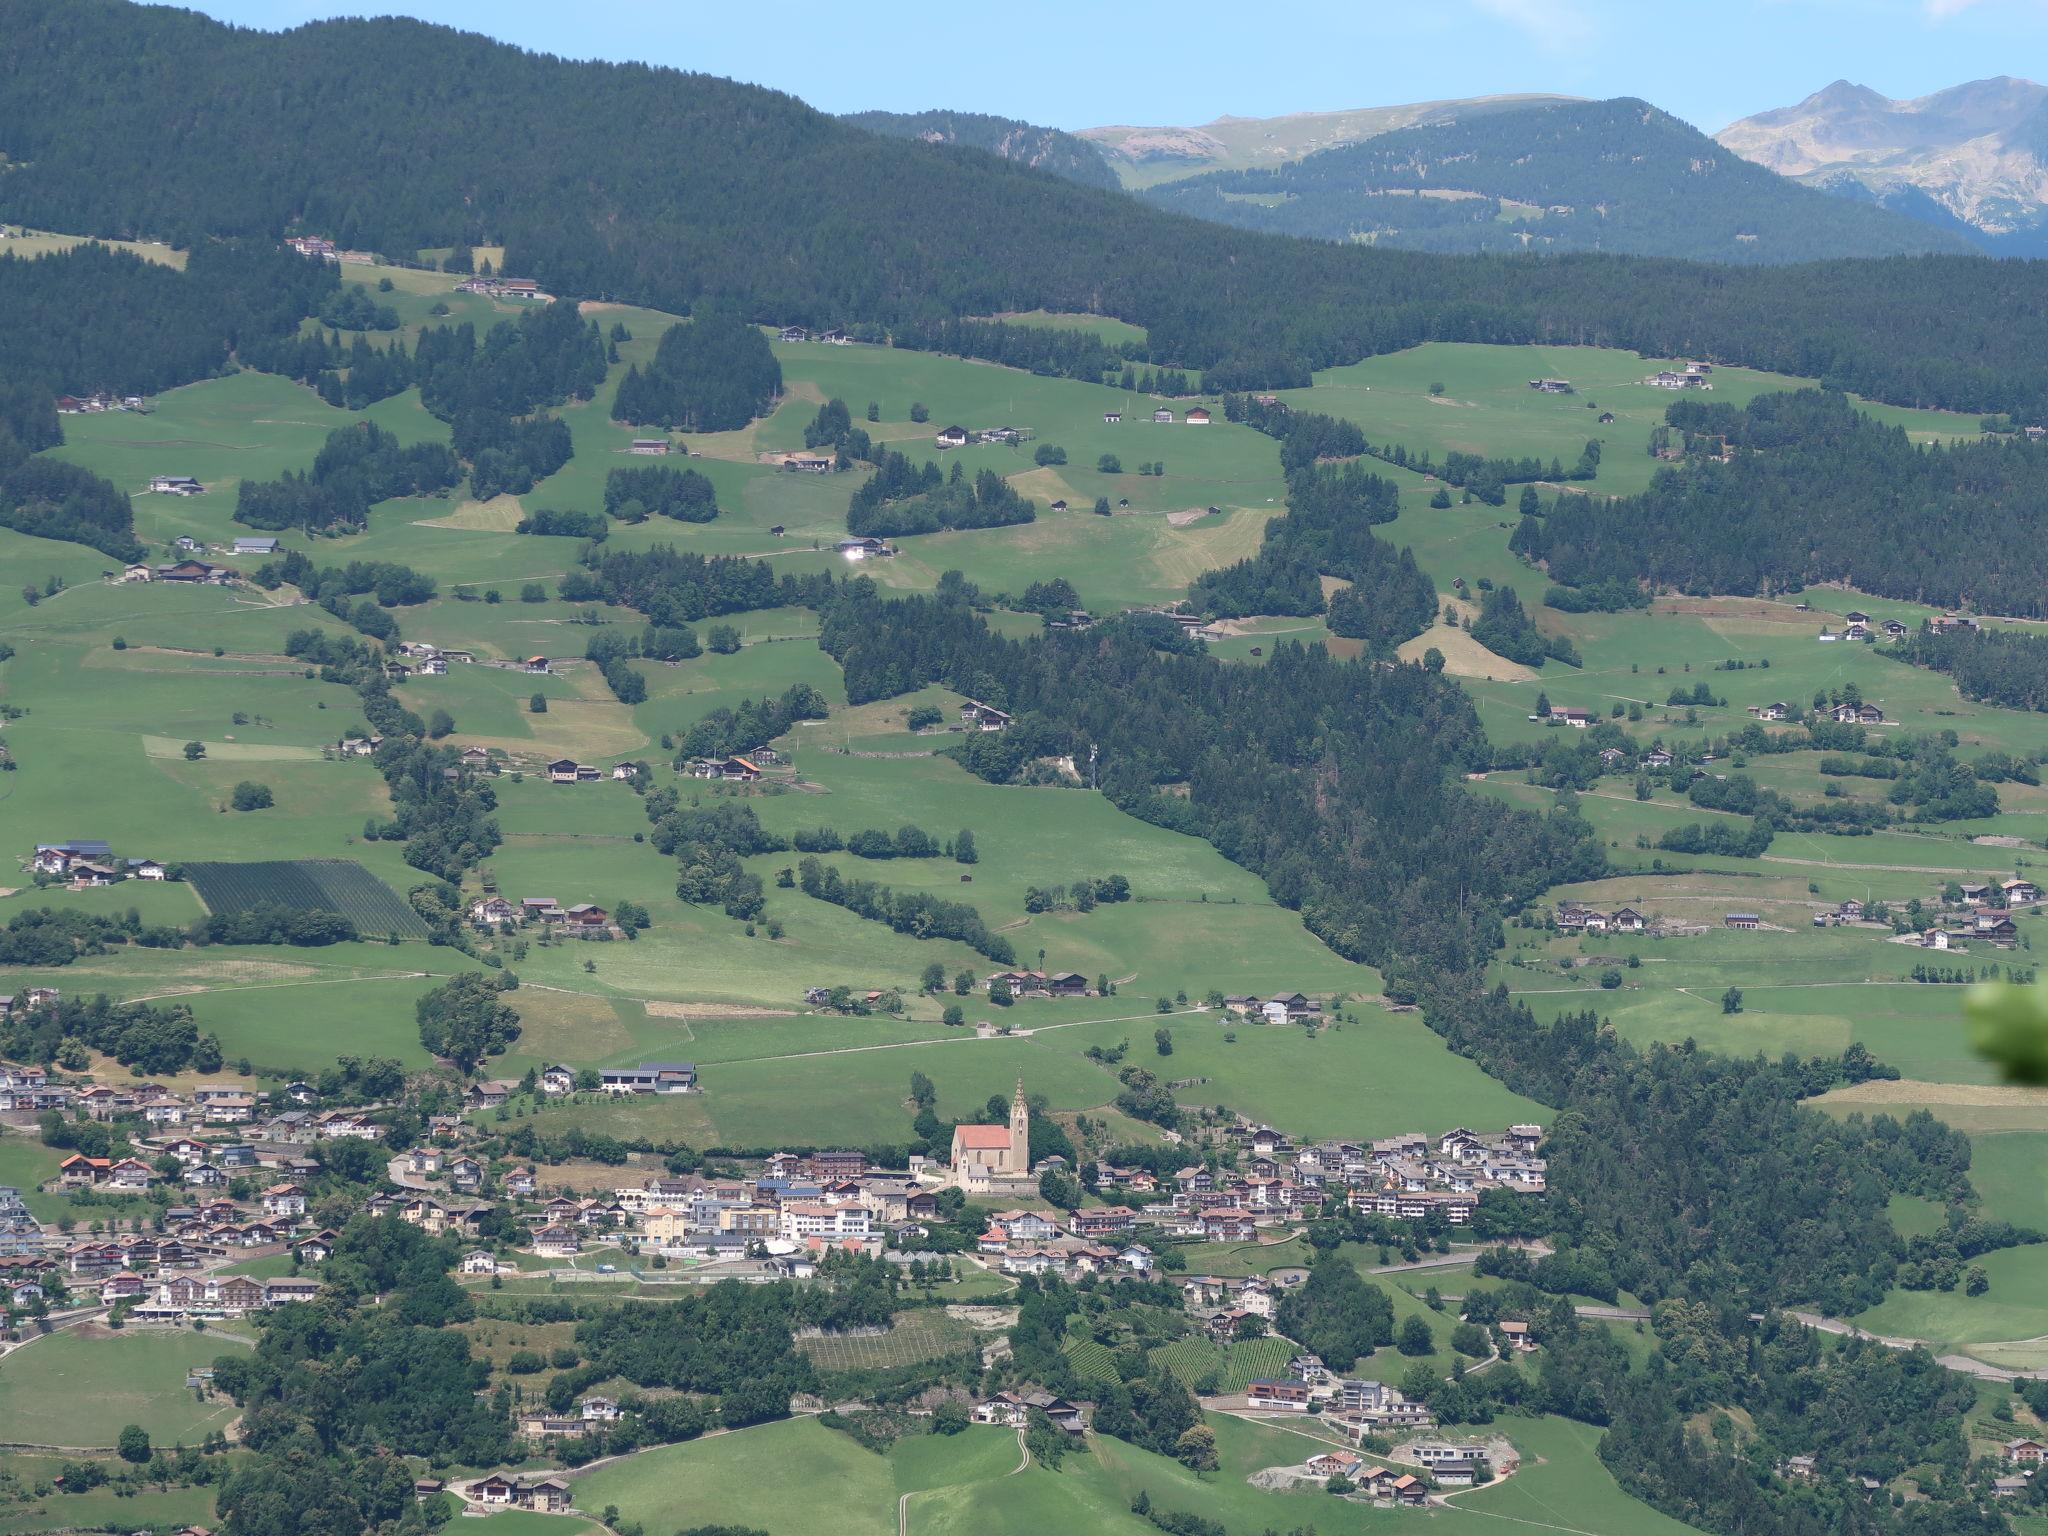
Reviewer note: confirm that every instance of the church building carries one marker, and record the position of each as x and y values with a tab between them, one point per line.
985	1156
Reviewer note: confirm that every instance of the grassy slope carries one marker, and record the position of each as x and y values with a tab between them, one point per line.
73	1391
967	1485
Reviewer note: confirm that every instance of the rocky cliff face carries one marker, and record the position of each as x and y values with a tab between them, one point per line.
1973	157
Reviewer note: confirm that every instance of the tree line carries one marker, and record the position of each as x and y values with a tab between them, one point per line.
939	235
1816	491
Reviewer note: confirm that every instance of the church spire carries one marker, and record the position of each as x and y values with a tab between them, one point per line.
1020	1132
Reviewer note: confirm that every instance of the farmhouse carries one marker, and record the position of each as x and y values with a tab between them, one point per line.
1990	923
1111	418
951	437
736	770
655	447
810	463
1551	386
650	1077
977	716
1744	920
1163	415
196	571
265	546
1577	719
2019	892
1198	416
864	549
175	485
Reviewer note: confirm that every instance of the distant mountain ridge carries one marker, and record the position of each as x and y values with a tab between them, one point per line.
1972	158
1045	149
1144	157
1617	176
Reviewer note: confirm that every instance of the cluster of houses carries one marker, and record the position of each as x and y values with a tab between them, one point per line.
315	248
1577	917
94	404
831	338
425	660
961	437
543	1495
90	862
582	920
795	1209
1361	1408
1692	376
1842	714
501	287
1280	1008
1278	1184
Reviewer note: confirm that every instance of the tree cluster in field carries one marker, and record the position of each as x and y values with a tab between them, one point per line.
359	465
907	842
507	455
728	732
1084	895
631	495
833	428
350	308
708	844
271	923
1816	491
1505	628
1039	349
142	1036
47	937
917	913
674	588
712	375
903	498
382	584
1331	509
547	521
467	1019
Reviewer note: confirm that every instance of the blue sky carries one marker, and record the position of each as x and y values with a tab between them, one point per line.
1078	63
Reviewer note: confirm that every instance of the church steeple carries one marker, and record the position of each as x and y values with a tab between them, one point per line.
1020	1132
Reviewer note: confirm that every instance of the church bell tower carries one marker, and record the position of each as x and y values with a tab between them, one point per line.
1020	1133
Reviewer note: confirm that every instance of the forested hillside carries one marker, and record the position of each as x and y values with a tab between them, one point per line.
1044	149
1816	491
739	192
1334	781
1574	176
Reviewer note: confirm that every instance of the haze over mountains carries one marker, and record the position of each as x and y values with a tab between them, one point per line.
1560	176
1973	158
1145	157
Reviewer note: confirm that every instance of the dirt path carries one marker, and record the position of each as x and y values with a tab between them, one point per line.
903	1504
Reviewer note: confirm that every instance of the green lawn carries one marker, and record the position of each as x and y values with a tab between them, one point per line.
745	1479
965	1484
75	1390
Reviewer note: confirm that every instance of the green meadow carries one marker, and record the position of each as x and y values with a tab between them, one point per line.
208	666
973	1484
77	1391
